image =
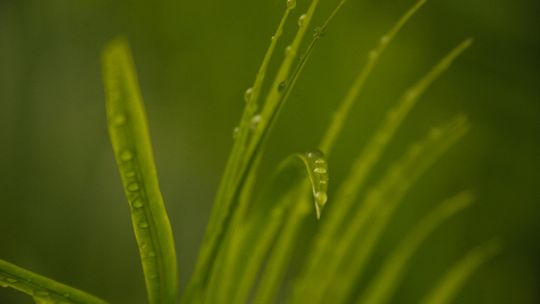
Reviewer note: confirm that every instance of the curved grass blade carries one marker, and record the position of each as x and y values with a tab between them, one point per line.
130	138
349	190
213	242
275	270
446	290
42	289
340	116
383	285
230	178
344	256
362	166
252	241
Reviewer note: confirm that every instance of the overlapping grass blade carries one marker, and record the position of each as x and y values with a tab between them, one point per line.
279	261
257	238
446	290
130	138
42	289
349	190
383	285
345	255
340	116
245	162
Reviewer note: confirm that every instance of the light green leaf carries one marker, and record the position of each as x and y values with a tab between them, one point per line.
348	191
340	116
42	289
130	138
344	256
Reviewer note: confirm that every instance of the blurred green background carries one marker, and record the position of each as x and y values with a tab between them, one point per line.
62	210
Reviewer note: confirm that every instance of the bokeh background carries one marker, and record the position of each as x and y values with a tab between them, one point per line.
62	210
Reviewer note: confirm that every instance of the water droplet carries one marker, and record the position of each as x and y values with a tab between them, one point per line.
236	132
320	170
11	280
137	204
126	156
247	94
301	20
373	55
133	187
321	198
130	173
316	161
384	39
282	86
288	50
255	121
119	120
291	4
319	32
143	225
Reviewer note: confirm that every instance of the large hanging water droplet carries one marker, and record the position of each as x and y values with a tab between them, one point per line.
318	166
291	4
248	94
301	20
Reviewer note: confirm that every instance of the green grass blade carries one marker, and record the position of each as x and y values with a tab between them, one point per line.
253	237
130	138
218	234
383	285
446	290
362	166
349	190
42	289
233	170
340	116
278	262
344	256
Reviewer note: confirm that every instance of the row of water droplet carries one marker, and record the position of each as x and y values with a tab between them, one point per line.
36	292
135	195
319	174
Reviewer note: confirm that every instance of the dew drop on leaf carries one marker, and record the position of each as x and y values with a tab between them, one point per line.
248	94
291	4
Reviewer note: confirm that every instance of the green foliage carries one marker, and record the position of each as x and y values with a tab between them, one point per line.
42	289
252	237
131	142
